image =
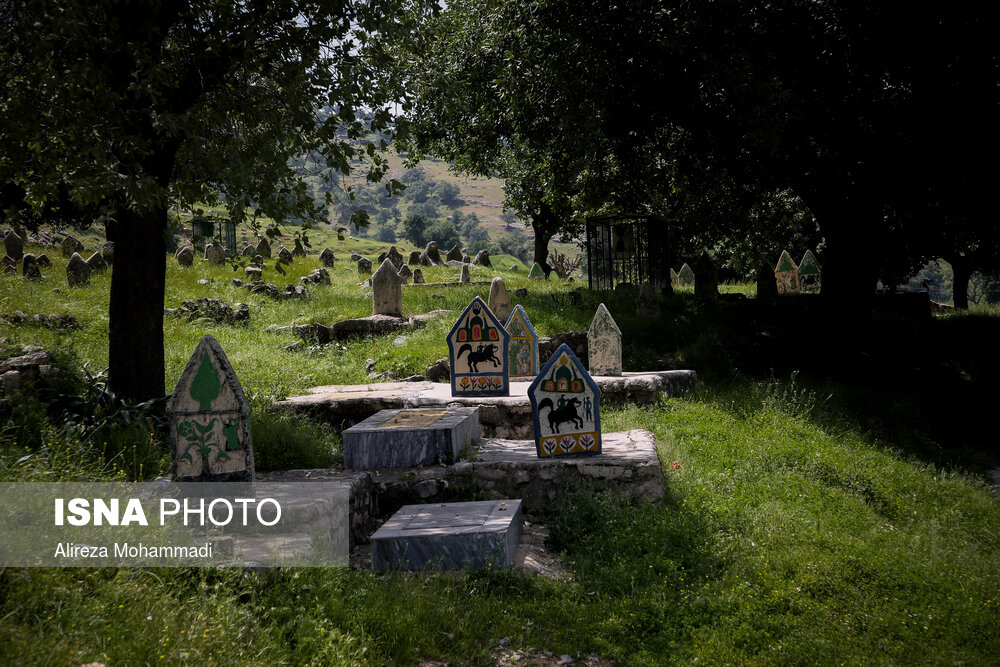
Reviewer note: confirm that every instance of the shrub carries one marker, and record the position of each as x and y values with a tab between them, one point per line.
286	442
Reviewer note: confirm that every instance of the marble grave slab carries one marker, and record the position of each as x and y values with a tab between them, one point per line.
405	438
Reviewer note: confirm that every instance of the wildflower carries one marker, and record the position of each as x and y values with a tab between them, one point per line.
676	465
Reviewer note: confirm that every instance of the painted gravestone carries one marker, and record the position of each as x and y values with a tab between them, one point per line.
565	407
477	348
210	420
809	273
536	272
685	276
786	274
604	344
523	356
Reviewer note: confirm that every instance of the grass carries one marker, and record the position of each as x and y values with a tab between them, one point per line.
825	503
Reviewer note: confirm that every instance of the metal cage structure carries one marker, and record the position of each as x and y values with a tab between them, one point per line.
627	249
203	231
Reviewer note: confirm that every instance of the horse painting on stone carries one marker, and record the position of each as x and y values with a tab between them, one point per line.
565	407
478	349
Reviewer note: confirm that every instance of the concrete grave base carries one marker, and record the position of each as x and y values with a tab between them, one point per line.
449	536
499	416
511	469
405	438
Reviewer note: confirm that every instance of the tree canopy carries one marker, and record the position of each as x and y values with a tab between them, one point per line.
126	106
865	112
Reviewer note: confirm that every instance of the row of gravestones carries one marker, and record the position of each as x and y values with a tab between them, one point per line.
78	269
210	416
789	277
486	352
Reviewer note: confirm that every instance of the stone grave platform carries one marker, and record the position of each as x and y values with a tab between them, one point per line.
497	469
511	469
499	416
406	438
449	536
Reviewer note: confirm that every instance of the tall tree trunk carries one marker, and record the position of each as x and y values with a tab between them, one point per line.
853	231
138	281
961	268
544	224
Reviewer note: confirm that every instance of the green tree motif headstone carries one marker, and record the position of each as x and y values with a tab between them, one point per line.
786	274
210	420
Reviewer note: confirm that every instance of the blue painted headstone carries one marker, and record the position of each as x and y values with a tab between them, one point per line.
565	407
523	344
478	346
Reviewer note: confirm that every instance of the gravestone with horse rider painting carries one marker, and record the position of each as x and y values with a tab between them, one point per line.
478	346
210	420
565	407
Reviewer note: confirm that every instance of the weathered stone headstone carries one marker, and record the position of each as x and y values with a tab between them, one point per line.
96	263
464	277
809	273
414	257
565	407
454	254
210	420
258	260
706	276
9	265
248	251
482	258
326	258
184	255
285	255
263	248
387	291
43	261
425	260
253	272
418	277
298	250
364	265
29	267
449	536
381	258
77	271
396	259
674	280
71	245
786	274
406	438
466	259
767	288
536	272
685	276
648	302
405	272
523	355
604	344
499	299
214	254
14	246
478	346
432	252
355	256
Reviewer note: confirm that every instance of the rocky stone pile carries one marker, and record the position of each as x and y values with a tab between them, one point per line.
215	310
577	341
55	321
268	289
32	365
318	276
